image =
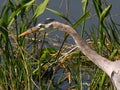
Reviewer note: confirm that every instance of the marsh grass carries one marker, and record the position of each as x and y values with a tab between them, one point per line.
30	63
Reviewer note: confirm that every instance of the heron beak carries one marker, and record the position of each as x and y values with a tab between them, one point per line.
29	31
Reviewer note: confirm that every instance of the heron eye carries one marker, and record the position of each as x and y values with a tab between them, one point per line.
41	25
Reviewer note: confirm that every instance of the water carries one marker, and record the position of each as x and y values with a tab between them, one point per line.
75	10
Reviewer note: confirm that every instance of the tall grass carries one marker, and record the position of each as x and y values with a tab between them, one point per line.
29	63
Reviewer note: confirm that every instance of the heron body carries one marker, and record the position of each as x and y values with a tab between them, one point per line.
112	68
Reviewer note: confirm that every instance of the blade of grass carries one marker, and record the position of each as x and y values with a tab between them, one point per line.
40	9
105	13
16	12
81	19
84	7
59	14
98	8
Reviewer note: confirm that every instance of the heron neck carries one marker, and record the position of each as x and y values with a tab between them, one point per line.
100	61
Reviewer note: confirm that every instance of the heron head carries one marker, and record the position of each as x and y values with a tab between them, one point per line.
40	27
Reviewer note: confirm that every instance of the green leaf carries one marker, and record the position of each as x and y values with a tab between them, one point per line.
84	5
3	31
12	17
40	9
81	19
113	54
4	34
28	4
98	7
6	16
105	13
17	12
59	14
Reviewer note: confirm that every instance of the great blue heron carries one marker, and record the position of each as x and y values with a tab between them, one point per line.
112	68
